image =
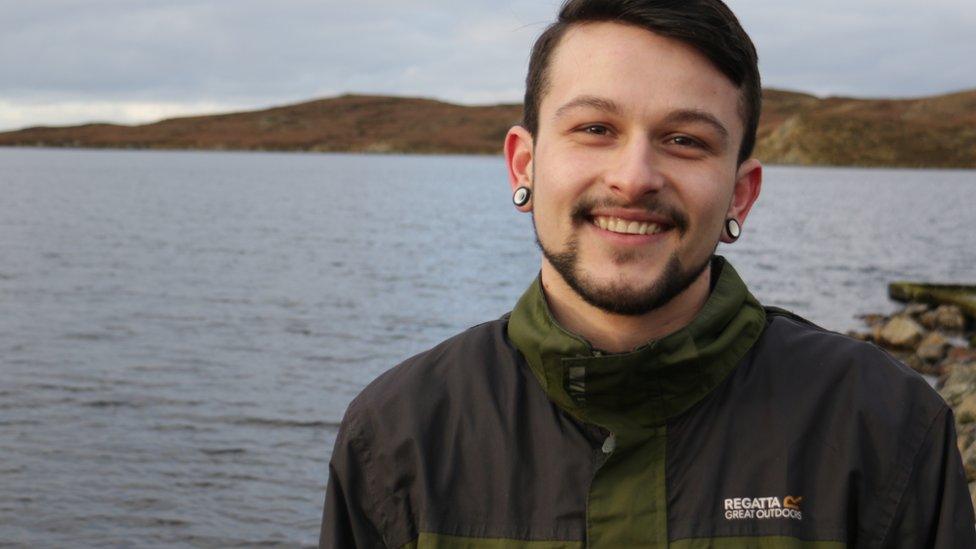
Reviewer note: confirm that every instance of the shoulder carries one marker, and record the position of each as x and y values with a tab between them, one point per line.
470	366
837	374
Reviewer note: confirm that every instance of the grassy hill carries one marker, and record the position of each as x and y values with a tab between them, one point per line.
796	128
935	131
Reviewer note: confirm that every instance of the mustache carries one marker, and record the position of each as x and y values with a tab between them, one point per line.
651	205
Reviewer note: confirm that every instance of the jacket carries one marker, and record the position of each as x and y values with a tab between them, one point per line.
749	428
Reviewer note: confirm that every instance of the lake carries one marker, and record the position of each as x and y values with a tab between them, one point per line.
182	331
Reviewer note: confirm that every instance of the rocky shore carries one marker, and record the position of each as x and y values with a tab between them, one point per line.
938	341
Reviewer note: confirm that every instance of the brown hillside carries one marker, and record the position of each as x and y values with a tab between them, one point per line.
346	123
935	131
796	128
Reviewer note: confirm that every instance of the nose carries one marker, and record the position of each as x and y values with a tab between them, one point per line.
633	172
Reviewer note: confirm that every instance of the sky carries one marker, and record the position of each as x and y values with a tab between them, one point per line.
131	61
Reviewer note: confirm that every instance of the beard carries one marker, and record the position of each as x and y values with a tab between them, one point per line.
619	298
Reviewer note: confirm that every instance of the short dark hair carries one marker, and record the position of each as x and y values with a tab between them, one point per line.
709	26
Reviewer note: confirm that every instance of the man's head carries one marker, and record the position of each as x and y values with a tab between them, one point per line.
708	26
638	120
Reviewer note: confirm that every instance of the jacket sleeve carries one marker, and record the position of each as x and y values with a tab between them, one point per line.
347	520
935	510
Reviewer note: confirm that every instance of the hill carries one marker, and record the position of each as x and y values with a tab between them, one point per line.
796	128
937	131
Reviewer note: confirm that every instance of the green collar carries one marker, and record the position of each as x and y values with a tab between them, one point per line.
631	392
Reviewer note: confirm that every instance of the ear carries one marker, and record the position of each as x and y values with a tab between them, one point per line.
518	157
748	183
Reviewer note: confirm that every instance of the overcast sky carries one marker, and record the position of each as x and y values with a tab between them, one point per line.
72	61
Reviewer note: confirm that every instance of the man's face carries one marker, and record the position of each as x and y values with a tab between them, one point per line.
634	165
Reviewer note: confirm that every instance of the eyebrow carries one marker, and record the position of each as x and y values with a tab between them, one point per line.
591	101
685	116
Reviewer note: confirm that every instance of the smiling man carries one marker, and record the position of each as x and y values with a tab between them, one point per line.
638	395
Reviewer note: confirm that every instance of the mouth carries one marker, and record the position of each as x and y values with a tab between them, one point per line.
620	225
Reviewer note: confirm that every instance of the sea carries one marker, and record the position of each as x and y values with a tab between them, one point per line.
181	332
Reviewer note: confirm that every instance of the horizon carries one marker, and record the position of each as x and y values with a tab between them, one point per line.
96	122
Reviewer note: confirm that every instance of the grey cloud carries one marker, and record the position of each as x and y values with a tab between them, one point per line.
871	48
261	53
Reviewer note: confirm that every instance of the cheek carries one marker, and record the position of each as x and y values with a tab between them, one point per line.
707	200
557	193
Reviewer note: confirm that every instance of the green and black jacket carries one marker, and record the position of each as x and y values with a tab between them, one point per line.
749	428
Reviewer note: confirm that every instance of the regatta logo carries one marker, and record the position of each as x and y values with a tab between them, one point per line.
763	508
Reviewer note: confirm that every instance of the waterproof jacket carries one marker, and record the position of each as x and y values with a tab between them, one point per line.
749	428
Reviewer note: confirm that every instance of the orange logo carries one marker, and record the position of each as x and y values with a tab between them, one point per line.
792	502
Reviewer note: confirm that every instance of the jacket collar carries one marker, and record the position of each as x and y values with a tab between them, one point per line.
657	381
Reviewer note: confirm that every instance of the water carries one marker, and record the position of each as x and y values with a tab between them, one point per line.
182	331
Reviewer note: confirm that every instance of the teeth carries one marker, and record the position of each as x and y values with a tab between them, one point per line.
623	226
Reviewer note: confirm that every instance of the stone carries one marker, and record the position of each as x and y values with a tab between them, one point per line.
964	436
969	462
873	319
966	413
901	333
913	362
961	355
932	348
960	381
876	333
950	317
915	309
929	320
860	336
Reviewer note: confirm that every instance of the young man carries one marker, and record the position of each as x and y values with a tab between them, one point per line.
638	395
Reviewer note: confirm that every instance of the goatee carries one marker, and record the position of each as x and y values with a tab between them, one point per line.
618	298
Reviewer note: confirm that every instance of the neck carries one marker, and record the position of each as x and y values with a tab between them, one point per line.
621	333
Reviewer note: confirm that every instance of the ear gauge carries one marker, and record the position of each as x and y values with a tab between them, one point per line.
522	196
732	229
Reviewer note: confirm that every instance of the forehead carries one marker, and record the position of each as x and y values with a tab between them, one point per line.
646	73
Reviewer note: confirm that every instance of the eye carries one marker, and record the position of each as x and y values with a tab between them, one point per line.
685	141
595	129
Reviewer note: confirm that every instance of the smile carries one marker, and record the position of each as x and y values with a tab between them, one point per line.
626	226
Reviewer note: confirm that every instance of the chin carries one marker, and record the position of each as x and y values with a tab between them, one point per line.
631	290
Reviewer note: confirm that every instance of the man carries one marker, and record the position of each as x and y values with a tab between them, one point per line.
638	395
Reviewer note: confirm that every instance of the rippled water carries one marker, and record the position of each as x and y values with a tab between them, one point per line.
182	331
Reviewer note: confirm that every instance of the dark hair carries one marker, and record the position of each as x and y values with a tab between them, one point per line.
709	26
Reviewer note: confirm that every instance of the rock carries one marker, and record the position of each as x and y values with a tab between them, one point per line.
873	320
876	333
972	492
915	309
969	462
961	355
860	336
901	333
932	348
966	413
915	363
950	317
959	382
964	436
929	320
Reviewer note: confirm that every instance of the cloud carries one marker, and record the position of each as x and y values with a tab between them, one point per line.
25	114
60	55
868	48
